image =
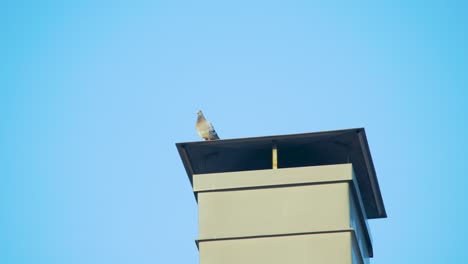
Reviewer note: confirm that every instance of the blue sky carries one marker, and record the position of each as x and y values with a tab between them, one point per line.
93	96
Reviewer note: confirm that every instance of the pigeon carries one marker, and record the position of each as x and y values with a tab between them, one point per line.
204	128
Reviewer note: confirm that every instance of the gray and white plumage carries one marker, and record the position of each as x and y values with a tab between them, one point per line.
204	128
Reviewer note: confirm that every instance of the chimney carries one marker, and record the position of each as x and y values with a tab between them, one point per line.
298	199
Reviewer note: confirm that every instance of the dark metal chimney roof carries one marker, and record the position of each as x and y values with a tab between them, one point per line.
297	150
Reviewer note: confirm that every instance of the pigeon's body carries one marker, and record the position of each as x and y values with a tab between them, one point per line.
204	128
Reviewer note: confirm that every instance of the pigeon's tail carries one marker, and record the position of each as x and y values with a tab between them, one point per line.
214	135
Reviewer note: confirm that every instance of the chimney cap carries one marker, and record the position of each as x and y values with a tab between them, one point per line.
295	150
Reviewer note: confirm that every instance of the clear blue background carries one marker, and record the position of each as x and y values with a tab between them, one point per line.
95	94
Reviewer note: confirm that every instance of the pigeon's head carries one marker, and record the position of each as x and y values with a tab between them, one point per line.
199	113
